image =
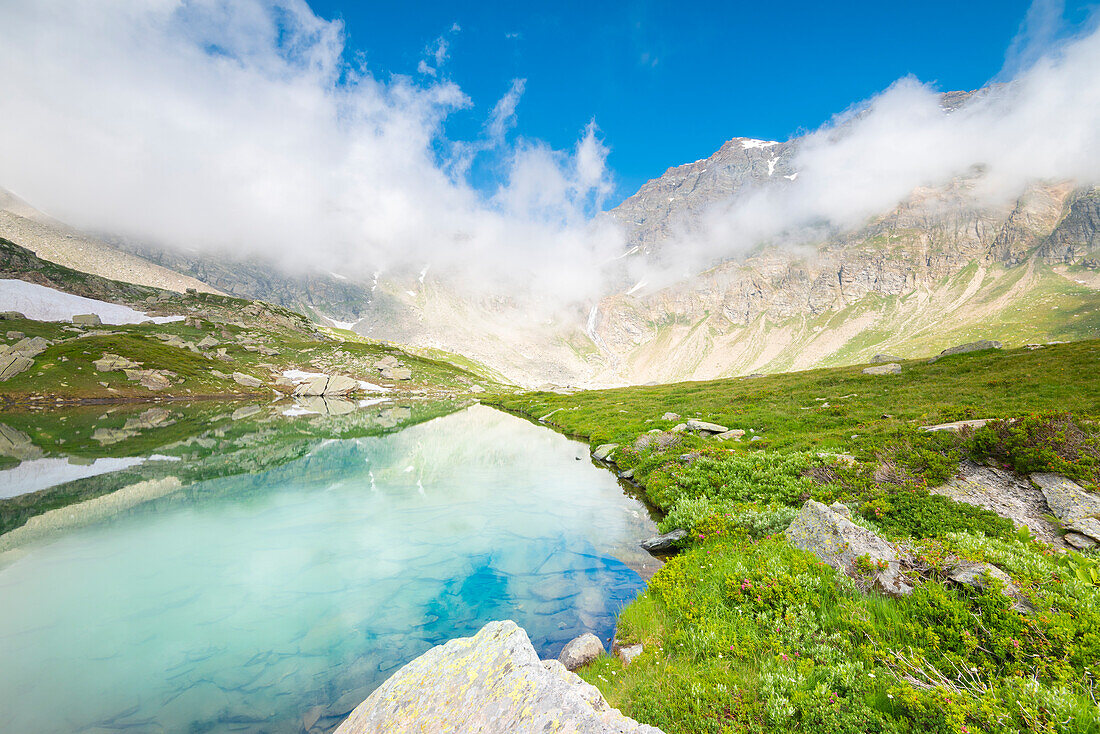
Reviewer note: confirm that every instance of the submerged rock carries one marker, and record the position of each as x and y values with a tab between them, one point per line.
829	534
491	682
580	651
664	542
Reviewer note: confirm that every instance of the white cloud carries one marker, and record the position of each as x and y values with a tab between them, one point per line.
1043	125
236	127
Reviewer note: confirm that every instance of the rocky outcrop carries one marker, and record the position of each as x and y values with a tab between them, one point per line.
245	380
704	428
830	534
110	362
328	385
491	682
1076	509
580	651
964	348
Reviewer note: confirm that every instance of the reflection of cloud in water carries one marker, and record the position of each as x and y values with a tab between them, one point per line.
266	594
37	474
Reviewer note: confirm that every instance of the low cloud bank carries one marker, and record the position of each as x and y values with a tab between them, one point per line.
238	128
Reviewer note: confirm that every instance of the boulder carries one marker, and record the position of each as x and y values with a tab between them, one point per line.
883	369
387	362
208	342
86	319
17	444
328	385
664	542
397	373
603	451
698	426
880	358
828	533
734	434
246	380
110	362
1076	509
491	682
155	417
16	335
628	653
956	426
581	650
977	576
31	347
12	364
964	348
11	315
1078	541
670	417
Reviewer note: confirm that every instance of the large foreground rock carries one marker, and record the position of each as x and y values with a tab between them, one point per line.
493	683
829	533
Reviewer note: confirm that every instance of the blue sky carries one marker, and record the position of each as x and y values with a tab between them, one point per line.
669	82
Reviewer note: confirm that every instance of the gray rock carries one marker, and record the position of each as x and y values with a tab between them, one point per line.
31	347
670	417
246	380
628	474
110	362
1078	541
628	653
245	412
698	426
883	369
678	428
964	348
11	315
603	451
838	541
1075	508
17	444
956	426
491	682
208	342
327	385
977	575
86	319
12	364
397	373
17	335
581	650
879	358
664	542
734	434
387	362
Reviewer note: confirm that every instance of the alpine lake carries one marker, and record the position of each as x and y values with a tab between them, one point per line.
212	567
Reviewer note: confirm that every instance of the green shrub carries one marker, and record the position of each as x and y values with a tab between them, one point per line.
1044	442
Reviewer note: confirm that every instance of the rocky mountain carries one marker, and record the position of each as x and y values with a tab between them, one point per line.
941	267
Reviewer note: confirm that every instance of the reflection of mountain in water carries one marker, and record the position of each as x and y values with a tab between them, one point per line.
250	600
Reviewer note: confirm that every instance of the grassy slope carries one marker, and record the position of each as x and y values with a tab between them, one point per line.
742	632
1046	307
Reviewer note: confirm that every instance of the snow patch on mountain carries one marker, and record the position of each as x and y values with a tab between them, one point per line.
46	304
747	143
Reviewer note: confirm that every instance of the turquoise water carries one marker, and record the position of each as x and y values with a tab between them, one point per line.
249	603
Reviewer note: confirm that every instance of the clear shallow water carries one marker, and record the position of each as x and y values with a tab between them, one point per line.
246	603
